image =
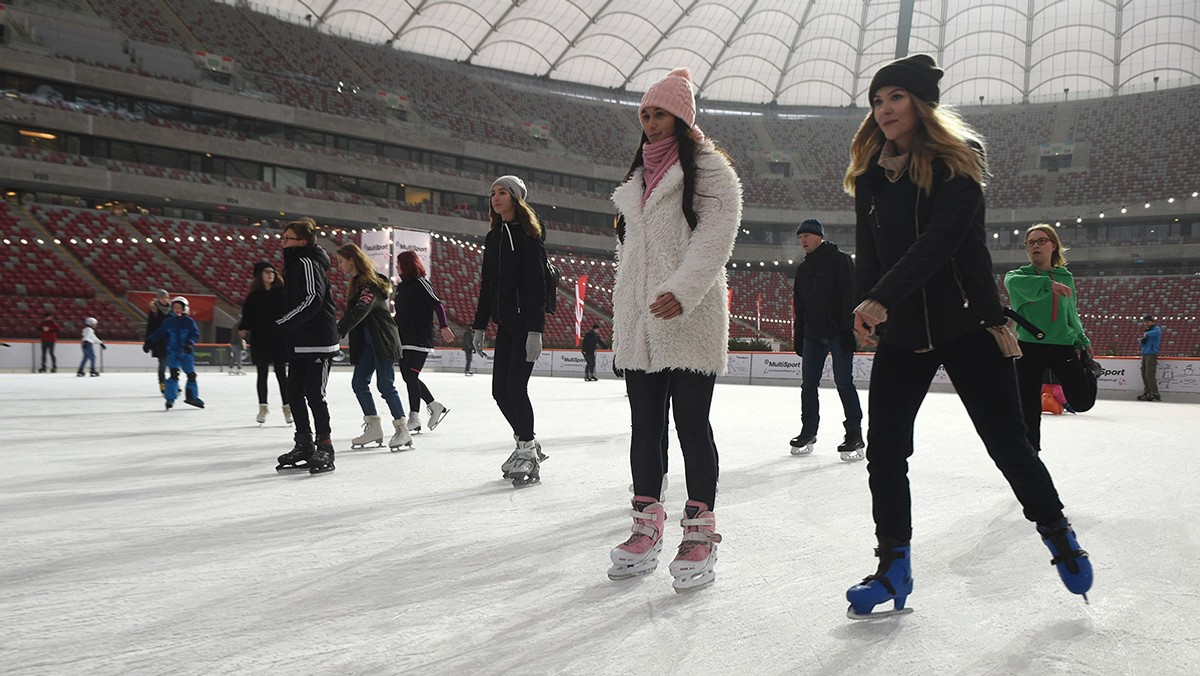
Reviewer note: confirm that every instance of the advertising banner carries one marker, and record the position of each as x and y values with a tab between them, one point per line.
580	292
378	246
412	240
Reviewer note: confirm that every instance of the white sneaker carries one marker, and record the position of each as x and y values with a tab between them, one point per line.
262	413
436	413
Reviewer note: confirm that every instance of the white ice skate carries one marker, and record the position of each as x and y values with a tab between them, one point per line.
262	413
401	440
414	421
802	444
526	466
287	414
639	554
695	563
372	432
436	413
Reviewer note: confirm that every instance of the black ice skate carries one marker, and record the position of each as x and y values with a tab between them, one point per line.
802	444
299	457
322	457
851	449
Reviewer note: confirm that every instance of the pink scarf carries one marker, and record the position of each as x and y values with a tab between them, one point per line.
658	158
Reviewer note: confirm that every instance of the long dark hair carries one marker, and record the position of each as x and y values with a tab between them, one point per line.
687	162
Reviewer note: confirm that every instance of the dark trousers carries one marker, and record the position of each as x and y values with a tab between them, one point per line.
811	366
1063	361
411	364
589	364
1150	374
689	395
986	382
510	381
162	367
307	377
469	354
280	377
48	348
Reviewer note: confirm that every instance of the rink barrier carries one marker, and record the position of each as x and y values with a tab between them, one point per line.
1120	374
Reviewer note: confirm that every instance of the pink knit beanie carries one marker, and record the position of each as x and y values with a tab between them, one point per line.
675	94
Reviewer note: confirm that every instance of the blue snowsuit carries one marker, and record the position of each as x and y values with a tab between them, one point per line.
181	333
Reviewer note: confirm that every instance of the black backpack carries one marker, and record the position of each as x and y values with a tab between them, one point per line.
550	274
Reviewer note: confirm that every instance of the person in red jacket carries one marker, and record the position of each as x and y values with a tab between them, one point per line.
49	330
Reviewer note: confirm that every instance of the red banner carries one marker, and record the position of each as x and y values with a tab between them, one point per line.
200	306
758	320
580	293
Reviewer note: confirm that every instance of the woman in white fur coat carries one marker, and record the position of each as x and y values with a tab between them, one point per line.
680	208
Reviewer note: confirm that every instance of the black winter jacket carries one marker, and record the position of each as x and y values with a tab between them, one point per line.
367	310
823	295
154	319
416	303
591	340
512	290
924	257
259	312
310	322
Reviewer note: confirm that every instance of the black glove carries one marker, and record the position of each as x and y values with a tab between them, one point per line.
103	346
188	349
848	343
146	348
620	373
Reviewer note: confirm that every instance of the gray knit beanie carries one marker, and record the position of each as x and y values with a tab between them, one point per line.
515	186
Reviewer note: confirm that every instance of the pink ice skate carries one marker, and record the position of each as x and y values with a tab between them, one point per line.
694	565
639	554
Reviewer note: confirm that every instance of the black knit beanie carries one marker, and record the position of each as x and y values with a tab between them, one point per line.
260	266
918	74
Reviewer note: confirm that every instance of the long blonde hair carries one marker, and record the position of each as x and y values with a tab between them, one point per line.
941	133
365	271
1057	259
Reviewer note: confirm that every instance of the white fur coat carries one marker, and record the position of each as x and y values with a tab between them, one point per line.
661	254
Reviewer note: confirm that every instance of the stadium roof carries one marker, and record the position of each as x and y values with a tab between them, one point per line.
793	52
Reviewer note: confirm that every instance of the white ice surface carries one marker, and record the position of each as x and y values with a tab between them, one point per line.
139	541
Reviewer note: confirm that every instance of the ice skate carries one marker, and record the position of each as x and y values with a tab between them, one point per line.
42	370
95	374
1073	564
802	444
507	466
892	581
851	449
414	421
298	458
662	494
191	392
436	413
526	466
287	414
372	432
194	401
696	559
262	414
639	554
322	457
169	405
80	375
401	440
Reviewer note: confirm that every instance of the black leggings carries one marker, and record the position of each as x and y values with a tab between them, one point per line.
510	381
1063	361
690	395
280	376
306	384
411	363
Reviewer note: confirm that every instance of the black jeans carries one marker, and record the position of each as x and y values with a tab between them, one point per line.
589	364
280	377
411	364
48	348
162	367
1063	361
510	381
307	377
689	395
986	382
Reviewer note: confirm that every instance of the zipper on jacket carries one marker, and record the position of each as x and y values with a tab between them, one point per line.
962	291
924	297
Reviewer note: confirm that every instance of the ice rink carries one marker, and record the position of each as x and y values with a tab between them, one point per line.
140	541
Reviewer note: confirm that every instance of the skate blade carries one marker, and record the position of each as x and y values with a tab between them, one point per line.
802	450
355	447
434	423
321	470
851	456
876	615
520	481
691	583
620	572
397	449
289	470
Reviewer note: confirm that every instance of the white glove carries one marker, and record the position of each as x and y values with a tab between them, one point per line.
478	343
533	346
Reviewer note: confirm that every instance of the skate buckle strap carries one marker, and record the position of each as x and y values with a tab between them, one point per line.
639	523
693	529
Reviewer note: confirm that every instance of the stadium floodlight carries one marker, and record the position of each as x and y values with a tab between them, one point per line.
1123	209
1147	205
1101	214
1078	219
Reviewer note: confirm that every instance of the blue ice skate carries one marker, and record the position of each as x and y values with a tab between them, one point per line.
1073	564
893	581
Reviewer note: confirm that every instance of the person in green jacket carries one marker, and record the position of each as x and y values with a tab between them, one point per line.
1043	292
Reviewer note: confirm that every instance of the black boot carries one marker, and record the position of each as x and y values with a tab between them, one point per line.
300	456
322	458
851	448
